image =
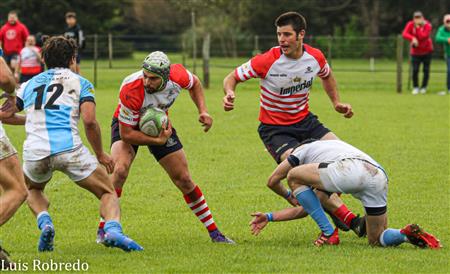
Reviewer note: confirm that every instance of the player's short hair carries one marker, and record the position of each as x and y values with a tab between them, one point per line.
295	19
58	52
71	14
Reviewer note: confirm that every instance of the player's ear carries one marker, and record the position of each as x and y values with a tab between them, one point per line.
301	35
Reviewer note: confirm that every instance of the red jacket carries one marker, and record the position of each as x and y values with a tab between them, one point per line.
422	34
13	37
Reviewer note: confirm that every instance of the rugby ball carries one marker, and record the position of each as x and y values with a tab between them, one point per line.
152	120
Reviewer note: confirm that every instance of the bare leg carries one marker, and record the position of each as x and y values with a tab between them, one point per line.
176	166
123	156
375	226
37	201
98	183
13	185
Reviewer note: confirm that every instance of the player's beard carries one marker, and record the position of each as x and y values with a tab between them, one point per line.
150	90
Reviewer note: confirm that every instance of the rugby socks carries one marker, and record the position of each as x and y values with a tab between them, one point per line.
196	201
43	219
392	237
345	215
308	199
101	225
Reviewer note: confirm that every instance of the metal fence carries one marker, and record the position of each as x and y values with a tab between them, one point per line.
114	48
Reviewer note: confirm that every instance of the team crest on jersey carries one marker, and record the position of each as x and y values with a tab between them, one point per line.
297	79
308	70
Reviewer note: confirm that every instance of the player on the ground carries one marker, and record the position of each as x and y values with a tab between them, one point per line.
53	102
287	73
157	85
335	166
12	183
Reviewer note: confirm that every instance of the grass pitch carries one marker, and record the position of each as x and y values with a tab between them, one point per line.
408	135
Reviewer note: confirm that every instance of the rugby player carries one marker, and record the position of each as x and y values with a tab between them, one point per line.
12	183
335	166
53	102
287	73
158	84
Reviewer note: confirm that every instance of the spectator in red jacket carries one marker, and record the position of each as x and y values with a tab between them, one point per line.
13	35
418	32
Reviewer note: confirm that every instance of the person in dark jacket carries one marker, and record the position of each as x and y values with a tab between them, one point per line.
74	31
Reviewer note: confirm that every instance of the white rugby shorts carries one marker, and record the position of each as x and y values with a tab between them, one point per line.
363	180
6	148
78	164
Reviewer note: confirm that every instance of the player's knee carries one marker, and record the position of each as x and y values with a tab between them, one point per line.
121	172
184	182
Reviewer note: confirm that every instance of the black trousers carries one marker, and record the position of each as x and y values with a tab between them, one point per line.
416	60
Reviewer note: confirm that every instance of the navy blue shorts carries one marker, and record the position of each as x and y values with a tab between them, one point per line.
10	57
278	139
173	143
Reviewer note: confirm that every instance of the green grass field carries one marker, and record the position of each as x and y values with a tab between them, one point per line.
408	135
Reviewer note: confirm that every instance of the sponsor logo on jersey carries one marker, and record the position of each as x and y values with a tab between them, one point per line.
297	88
278	75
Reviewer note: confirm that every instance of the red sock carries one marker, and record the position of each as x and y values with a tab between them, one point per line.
196	201
119	192
345	215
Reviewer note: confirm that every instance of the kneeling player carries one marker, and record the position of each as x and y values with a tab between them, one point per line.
158	85
335	166
53	102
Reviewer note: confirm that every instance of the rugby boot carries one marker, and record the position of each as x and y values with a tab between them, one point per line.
46	238
218	237
418	237
333	239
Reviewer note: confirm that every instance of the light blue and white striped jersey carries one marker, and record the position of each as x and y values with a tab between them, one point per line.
51	101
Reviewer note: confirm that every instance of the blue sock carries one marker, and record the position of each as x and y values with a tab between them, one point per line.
43	219
113	226
392	237
308	199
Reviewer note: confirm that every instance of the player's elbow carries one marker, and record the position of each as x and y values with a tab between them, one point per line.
90	124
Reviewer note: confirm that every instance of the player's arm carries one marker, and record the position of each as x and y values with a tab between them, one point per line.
229	86
7	82
198	97
260	220
94	135
135	137
15	119
330	86
274	182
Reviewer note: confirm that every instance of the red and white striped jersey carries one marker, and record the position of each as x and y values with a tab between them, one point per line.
285	83
133	100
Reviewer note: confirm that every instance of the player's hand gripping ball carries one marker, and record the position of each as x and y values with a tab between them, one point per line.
152	121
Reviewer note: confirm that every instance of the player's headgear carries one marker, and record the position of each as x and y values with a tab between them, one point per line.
158	63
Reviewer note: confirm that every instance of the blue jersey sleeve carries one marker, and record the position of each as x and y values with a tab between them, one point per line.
87	91
26	96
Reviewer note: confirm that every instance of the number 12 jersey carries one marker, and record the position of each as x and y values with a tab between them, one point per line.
51	101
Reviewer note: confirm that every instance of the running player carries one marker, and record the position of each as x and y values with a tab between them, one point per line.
335	166
287	73
53	102
157	85
14	191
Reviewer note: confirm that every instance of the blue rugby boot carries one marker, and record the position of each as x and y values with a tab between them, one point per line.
114	237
